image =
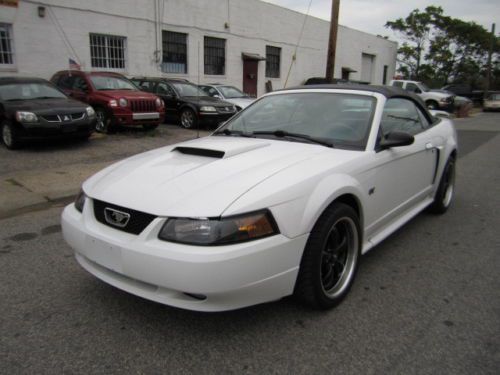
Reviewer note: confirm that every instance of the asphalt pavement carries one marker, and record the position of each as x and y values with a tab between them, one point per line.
425	301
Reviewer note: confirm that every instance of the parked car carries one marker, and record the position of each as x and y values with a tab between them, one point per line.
492	102
458	101
186	102
283	199
34	109
229	94
116	101
433	99
465	90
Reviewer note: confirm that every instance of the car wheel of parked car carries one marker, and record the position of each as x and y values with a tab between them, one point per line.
446	189
188	118
149	126
103	122
431	104
330	258
9	136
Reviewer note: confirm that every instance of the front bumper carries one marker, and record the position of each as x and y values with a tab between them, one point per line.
228	277
44	130
126	117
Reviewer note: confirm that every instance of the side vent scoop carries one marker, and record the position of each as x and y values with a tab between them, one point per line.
200	152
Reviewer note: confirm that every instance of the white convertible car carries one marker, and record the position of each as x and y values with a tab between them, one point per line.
282	199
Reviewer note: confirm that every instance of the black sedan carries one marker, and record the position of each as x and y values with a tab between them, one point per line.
187	103
33	109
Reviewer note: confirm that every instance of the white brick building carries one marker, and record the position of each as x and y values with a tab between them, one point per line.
201	40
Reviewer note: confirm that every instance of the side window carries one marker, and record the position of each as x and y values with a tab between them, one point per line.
79	84
398	84
411	87
66	82
210	91
145	85
400	115
164	89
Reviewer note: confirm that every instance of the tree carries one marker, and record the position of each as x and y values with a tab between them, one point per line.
439	49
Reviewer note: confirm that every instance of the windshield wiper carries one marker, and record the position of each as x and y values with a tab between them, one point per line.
238	133
284	134
402	118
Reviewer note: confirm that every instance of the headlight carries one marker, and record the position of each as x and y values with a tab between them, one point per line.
123	102
208	108
224	231
80	201
26	117
113	103
90	112
159	103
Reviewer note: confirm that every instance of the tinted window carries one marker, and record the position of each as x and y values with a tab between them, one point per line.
400	115
66	81
397	84
145	85
164	89
80	84
412	87
210	90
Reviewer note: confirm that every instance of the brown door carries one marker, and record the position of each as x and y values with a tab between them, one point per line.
250	73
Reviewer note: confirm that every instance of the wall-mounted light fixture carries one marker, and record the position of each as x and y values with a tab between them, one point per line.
41	12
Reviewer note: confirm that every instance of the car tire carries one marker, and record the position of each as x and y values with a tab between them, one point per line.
323	281
188	118
10	137
446	189
103	121
149	127
431	104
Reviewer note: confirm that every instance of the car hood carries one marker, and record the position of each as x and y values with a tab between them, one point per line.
241	102
175	181
56	106
206	100
127	94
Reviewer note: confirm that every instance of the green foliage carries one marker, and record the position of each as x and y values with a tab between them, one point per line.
439	49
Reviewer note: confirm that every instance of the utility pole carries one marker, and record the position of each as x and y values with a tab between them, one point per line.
332	43
490	52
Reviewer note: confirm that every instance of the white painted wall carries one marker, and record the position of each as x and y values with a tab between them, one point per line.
43	45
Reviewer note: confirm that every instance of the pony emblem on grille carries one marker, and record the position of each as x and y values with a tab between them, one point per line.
117	218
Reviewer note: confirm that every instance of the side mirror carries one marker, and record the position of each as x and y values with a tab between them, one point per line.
396	139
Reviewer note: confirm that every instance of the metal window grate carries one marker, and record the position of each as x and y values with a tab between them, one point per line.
107	51
174	59
6	50
273	57
215	56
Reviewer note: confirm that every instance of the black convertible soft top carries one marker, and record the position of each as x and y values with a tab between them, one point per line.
387	91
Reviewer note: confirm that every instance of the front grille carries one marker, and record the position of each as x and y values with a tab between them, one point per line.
137	223
143	105
228	109
61	118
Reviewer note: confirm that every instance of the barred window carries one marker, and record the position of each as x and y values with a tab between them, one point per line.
215	56
174	52
107	51
6	48
273	57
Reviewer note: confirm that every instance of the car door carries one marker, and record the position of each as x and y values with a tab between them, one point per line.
80	89
401	177
167	94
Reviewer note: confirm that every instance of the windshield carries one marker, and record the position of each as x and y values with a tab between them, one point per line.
187	89
231	92
102	83
29	91
341	119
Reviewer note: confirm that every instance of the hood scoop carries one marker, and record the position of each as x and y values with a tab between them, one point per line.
200	152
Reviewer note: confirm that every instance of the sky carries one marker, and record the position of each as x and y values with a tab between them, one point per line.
371	15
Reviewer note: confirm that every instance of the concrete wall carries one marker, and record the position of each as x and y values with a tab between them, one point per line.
43	45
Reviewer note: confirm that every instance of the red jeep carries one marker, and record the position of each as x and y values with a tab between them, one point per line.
115	99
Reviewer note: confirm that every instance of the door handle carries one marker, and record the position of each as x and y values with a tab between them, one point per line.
429	146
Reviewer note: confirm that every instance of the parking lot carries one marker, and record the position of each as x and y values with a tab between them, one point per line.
425	301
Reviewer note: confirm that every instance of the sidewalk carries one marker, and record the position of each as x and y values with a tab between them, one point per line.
26	191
